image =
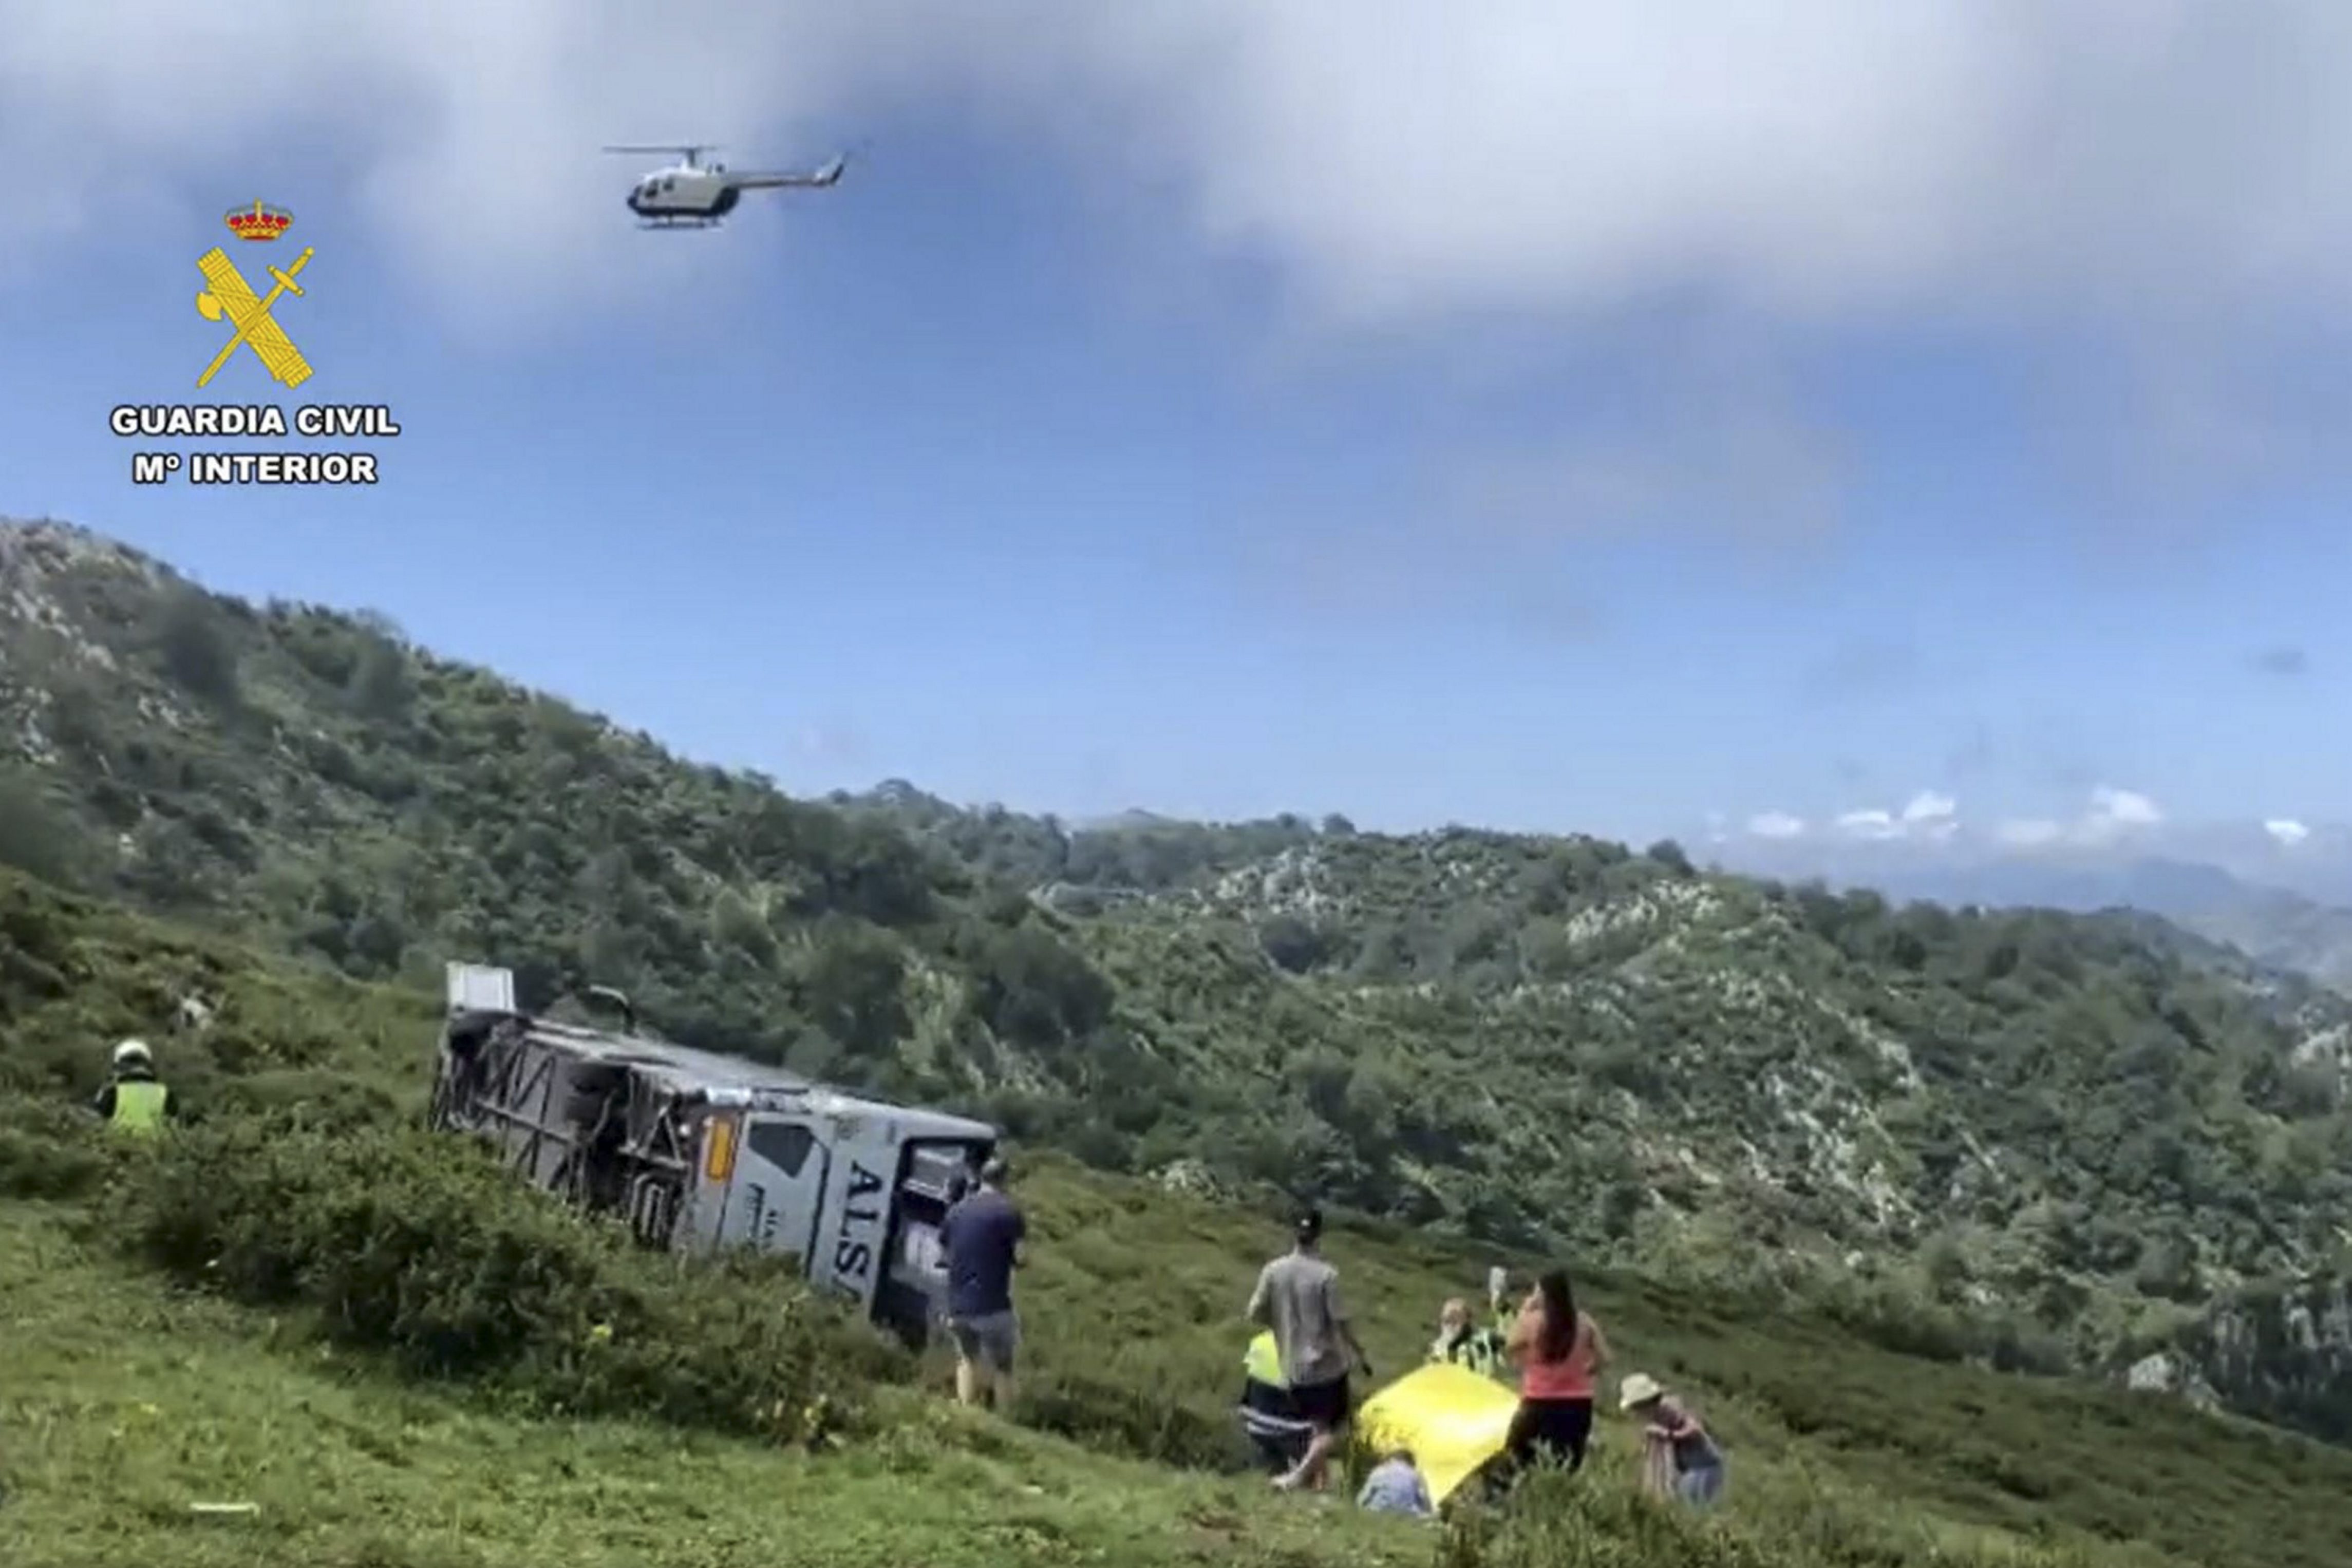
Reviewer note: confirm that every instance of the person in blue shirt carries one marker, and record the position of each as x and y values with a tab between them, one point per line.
1395	1485
984	1239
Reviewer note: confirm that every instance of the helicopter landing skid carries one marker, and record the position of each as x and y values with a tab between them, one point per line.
678	223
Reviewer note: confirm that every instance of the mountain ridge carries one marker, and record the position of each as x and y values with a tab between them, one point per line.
2274	925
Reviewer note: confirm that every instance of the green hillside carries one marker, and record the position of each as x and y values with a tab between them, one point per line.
2044	1140
307	1304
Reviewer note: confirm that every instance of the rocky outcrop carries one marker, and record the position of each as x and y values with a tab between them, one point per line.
2280	1353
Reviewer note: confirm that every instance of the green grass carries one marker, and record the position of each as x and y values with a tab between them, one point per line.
123	1399
123	1404
1159	1279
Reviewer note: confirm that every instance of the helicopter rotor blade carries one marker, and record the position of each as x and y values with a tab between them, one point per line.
689	150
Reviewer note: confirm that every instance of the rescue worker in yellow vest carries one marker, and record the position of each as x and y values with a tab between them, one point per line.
1269	1417
1470	1345
134	1099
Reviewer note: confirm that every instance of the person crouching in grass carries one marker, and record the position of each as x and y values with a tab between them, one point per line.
1680	1459
1395	1485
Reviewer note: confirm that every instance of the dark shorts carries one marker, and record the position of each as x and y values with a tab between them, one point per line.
1270	1420
1559	1428
991	1341
1326	1407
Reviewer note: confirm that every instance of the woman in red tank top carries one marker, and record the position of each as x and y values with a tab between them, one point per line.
1560	1352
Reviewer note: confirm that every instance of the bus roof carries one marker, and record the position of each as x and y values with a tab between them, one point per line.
740	1080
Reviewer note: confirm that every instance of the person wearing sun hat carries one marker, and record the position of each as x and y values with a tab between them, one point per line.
1680	1459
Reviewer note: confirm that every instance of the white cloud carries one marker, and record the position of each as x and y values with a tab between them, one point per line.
1927	806
2029	832
1870	824
2115	812
2128	807
1826	161
2286	831
1776	825
2110	815
1931	816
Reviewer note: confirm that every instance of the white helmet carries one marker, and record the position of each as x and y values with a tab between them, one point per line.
132	1051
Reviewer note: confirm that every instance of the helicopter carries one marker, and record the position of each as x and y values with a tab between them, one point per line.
692	195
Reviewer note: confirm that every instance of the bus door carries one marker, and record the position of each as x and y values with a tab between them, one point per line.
912	1294
781	1173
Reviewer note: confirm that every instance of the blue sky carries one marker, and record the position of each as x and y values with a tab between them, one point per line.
1058	459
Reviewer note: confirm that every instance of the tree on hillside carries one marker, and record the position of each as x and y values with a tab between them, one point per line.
1293	944
851	984
381	687
1669	854
34	836
193	643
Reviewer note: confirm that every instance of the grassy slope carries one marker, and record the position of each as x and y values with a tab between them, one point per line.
125	1404
1132	1307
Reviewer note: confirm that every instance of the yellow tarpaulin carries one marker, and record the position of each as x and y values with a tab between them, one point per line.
1453	1419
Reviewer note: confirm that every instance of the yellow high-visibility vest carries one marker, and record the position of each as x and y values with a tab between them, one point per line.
1264	1361
139	1105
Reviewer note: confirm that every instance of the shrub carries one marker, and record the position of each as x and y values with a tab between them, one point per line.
418	1246
1558	1520
1150	1419
47	1150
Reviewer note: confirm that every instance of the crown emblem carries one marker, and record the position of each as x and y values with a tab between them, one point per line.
258	221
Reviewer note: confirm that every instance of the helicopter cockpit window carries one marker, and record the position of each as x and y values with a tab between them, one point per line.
669	184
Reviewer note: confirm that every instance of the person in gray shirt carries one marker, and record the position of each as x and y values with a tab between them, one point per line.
1298	1297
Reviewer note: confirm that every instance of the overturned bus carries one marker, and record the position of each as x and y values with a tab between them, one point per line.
695	1151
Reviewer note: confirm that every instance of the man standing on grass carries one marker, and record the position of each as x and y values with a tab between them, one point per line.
984	1239
1298	1297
